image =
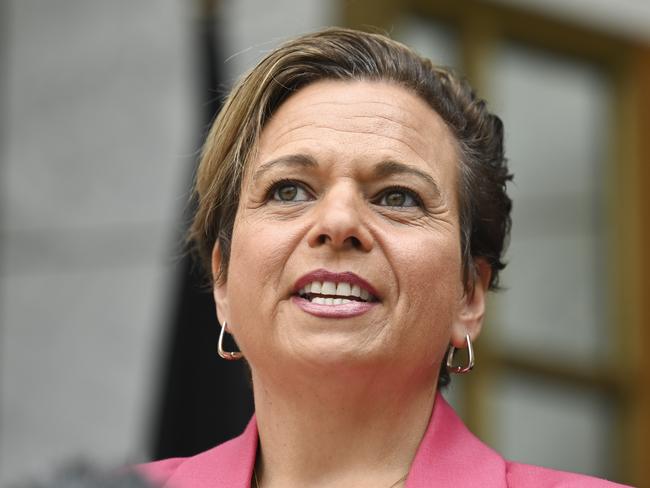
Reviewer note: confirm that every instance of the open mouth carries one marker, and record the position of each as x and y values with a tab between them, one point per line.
334	293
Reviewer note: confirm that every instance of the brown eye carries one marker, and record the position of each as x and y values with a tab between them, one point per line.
398	197
289	191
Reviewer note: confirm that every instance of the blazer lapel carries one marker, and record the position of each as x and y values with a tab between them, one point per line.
451	456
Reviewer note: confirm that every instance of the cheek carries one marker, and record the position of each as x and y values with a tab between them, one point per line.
259	252
434	259
249	263
431	278
246	276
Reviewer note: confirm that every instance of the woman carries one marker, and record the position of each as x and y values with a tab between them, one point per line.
353	213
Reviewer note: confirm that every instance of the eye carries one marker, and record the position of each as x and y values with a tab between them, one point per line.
398	197
289	191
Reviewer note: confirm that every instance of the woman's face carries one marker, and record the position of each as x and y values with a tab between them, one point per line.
346	249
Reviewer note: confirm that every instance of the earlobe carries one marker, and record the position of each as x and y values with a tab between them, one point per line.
472	308
219	285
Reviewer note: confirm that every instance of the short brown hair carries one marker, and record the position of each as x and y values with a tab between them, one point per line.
345	54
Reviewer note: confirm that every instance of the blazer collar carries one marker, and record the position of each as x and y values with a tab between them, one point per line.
449	455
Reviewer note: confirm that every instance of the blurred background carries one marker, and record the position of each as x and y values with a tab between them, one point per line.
108	343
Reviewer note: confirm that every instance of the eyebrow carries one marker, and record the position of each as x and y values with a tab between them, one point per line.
393	168
383	169
303	161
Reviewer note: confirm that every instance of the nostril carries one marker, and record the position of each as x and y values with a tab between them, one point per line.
355	242
351	241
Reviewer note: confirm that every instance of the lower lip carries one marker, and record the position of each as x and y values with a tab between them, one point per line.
341	311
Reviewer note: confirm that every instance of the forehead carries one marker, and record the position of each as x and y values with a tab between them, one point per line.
360	122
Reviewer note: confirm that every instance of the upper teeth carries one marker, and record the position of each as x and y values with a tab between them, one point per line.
335	289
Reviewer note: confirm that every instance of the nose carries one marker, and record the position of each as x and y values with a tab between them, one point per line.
339	221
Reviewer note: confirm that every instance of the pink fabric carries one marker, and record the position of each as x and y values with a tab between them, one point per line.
449	456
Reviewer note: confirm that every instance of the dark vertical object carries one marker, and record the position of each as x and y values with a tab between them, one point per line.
205	400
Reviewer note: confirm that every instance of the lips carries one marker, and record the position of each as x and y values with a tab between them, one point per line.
327	288
334	295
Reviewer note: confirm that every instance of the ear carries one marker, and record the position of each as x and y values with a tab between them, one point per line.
220	286
472	307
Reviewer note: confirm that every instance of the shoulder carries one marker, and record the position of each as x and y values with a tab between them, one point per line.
520	475
228	465
450	455
159	472
221	466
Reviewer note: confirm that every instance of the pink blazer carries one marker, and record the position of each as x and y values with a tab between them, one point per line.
448	456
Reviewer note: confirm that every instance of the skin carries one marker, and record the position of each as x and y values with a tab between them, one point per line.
363	386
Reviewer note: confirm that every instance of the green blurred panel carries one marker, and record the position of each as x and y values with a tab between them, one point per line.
553	425
555	111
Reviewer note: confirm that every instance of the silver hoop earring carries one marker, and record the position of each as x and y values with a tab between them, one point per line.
230	356
470	360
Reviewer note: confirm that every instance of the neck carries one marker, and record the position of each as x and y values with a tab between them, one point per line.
323	431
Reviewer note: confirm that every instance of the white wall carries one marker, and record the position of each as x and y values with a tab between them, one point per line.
252	28
97	136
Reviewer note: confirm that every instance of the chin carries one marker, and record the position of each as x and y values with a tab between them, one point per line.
334	353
